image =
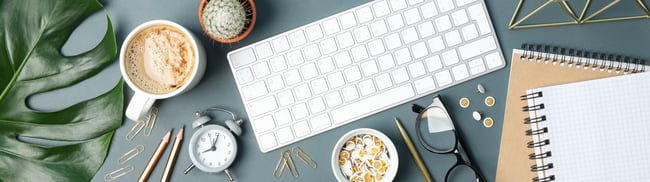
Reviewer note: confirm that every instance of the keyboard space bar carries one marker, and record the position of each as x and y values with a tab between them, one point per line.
372	104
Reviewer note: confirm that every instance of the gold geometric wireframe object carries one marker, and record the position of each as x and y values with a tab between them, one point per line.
576	20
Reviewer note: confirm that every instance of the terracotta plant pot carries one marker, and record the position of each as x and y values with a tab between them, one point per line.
251	16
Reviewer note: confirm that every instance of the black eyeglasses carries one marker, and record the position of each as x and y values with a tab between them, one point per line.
440	137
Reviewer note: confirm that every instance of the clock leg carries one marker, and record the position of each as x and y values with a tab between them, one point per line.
189	168
229	175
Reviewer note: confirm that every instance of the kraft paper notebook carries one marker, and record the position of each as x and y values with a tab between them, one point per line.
538	66
591	131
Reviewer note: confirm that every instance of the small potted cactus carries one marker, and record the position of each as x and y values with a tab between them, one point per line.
227	21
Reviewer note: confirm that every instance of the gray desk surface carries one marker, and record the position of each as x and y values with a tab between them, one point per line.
217	87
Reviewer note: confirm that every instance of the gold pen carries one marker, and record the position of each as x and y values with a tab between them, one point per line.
154	158
172	155
414	152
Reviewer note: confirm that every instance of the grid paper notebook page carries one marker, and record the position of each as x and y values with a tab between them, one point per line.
597	129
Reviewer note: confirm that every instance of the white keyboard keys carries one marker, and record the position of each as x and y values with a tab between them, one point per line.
366	87
281	44
409	35
400	75
369	104
345	40
254	90
445	5
319	86
402	56
424	85
362	34
433	63
283	117
493	60
316	105
336	79
320	122
397	5
285	98
436	44
412	16
476	48
429	10
331	26
476	66
314	32
416	69
443	78
443	23
302	91
376	47
386	62
333	99
275	83
284	134
244	75
450	57
263	50
347	20
262	106
326	65
460	72
292	77
328	46
264	124
378	28
349	93
476	13
453	38
426	29
364	14
297	38
383	81
301	129
395	22
460	17
309	71
299	111
352	74
295	58
469	32
267	141
381	8
359	53
261	70
311	52
392	41
419	50
242	57
278	64
369	68
342	59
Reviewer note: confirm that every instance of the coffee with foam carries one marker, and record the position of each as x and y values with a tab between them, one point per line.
160	59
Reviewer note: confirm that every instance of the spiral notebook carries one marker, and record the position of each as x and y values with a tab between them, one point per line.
592	130
535	66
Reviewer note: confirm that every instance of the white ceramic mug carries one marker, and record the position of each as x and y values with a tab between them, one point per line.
142	101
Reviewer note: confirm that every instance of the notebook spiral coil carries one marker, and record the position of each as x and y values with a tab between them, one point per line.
537	145
578	59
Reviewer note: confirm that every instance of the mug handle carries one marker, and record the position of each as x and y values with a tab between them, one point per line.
139	106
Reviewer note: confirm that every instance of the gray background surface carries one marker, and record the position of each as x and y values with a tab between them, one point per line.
217	87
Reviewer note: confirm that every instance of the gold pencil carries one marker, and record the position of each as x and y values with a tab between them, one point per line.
414	152
154	158
172	155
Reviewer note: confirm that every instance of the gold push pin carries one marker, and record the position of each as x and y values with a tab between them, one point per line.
489	101
464	102
488	122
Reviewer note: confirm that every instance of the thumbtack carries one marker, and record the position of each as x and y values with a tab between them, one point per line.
489	101
476	115
488	122
480	89
464	102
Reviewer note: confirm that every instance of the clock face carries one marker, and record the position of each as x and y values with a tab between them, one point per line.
213	148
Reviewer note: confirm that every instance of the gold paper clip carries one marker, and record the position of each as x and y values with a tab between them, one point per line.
279	168
302	155
118	173
151	121
135	130
135	151
289	162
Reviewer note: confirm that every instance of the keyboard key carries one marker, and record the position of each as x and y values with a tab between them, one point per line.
367	87
262	106
383	81
342	59
417	69
281	44
328	46
477	13
352	74
263	50
283	117
297	38
295	57
436	44
395	22
372	103
349	93
292	76
386	62
331	26
320	122
429	10
316	105
263	124
426	29
399	75
345	40
275	83
460	72
285	98
433	63
424	85
361	34
314	32
419	50
359	53
336	79
301	129
476	48
369	68
284	134
397	4
412	16
319	85
311	52
459	17
376	47
242	57
443	78
443	23
450	57
453	38
326	65
302	91
409	35
244	75
414	2
267	141
392	41
445	5
463	2
278	64
493	60
254	90
347	20
299	111
261	70
333	99
309	71
378	28
381	8
476	66
402	56
364	14
469	32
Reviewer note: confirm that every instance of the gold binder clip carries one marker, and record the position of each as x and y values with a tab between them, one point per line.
135	151
302	155
151	120
118	173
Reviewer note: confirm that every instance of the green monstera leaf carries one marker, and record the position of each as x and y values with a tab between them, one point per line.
32	32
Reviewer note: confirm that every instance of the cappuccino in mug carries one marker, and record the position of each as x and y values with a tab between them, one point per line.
159	59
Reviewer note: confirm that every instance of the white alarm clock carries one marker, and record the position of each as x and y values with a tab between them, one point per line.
213	148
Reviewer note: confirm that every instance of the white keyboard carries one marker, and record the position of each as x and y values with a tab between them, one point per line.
359	62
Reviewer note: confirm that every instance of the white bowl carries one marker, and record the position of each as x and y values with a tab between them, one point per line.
391	172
